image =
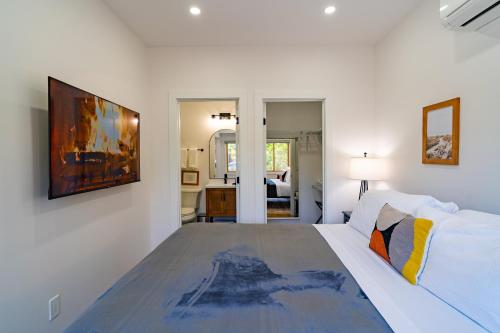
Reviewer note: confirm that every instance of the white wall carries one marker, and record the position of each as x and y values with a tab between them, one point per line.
197	127
344	73
75	246
294	117
421	63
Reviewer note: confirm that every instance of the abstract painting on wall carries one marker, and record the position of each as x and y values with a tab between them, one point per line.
94	143
441	133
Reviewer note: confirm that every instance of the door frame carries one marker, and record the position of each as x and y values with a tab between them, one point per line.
263	97
174	137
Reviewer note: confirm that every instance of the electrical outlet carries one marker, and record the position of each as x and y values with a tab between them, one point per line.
54	307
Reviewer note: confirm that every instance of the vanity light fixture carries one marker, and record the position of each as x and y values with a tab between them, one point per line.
224	116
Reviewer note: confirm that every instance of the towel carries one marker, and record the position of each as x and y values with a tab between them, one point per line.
193	158
302	142
184	158
313	143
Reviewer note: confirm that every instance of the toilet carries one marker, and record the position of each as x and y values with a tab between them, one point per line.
189	203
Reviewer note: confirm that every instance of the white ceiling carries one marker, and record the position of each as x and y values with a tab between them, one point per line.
260	22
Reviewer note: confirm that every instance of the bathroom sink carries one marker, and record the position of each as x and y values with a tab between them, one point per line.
215	185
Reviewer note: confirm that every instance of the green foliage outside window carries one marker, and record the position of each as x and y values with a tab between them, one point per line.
231	157
277	156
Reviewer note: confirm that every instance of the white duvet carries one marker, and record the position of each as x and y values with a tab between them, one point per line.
283	189
405	307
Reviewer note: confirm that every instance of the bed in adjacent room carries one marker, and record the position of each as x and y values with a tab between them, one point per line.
276	188
278	198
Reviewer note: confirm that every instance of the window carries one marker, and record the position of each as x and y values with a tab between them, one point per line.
231	157
277	156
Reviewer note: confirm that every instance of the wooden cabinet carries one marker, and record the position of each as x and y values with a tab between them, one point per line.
220	202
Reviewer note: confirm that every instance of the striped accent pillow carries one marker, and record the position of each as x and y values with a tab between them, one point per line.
402	240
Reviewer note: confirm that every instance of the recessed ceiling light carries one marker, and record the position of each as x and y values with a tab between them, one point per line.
195	11
330	10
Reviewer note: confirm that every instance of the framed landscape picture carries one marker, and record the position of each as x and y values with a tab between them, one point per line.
441	133
189	177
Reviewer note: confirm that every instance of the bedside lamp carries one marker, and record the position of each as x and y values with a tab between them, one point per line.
365	169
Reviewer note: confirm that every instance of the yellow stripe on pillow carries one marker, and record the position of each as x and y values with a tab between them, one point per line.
402	240
422	229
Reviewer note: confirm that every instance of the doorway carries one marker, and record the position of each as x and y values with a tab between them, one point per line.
294	161
209	155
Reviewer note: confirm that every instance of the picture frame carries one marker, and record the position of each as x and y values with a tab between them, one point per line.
190	177
441	133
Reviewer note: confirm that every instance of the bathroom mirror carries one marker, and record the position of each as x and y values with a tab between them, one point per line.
223	154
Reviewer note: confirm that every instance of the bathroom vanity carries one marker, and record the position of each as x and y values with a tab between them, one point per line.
220	201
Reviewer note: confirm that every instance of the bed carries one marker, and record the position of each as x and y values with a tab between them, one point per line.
267	278
405	307
277	188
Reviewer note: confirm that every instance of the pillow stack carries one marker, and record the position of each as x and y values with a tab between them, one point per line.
367	209
453	254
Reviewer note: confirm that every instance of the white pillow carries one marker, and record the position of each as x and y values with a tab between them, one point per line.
288	176
437	216
479	217
463	266
364	214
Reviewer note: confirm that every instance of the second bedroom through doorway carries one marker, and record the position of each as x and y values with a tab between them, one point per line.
294	162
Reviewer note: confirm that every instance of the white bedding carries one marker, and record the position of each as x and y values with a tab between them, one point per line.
283	189
405	307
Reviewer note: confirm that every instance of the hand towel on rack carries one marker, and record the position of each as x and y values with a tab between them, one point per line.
302	142
193	158
184	158
313	143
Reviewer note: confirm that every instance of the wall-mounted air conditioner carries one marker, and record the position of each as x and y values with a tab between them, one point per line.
472	15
